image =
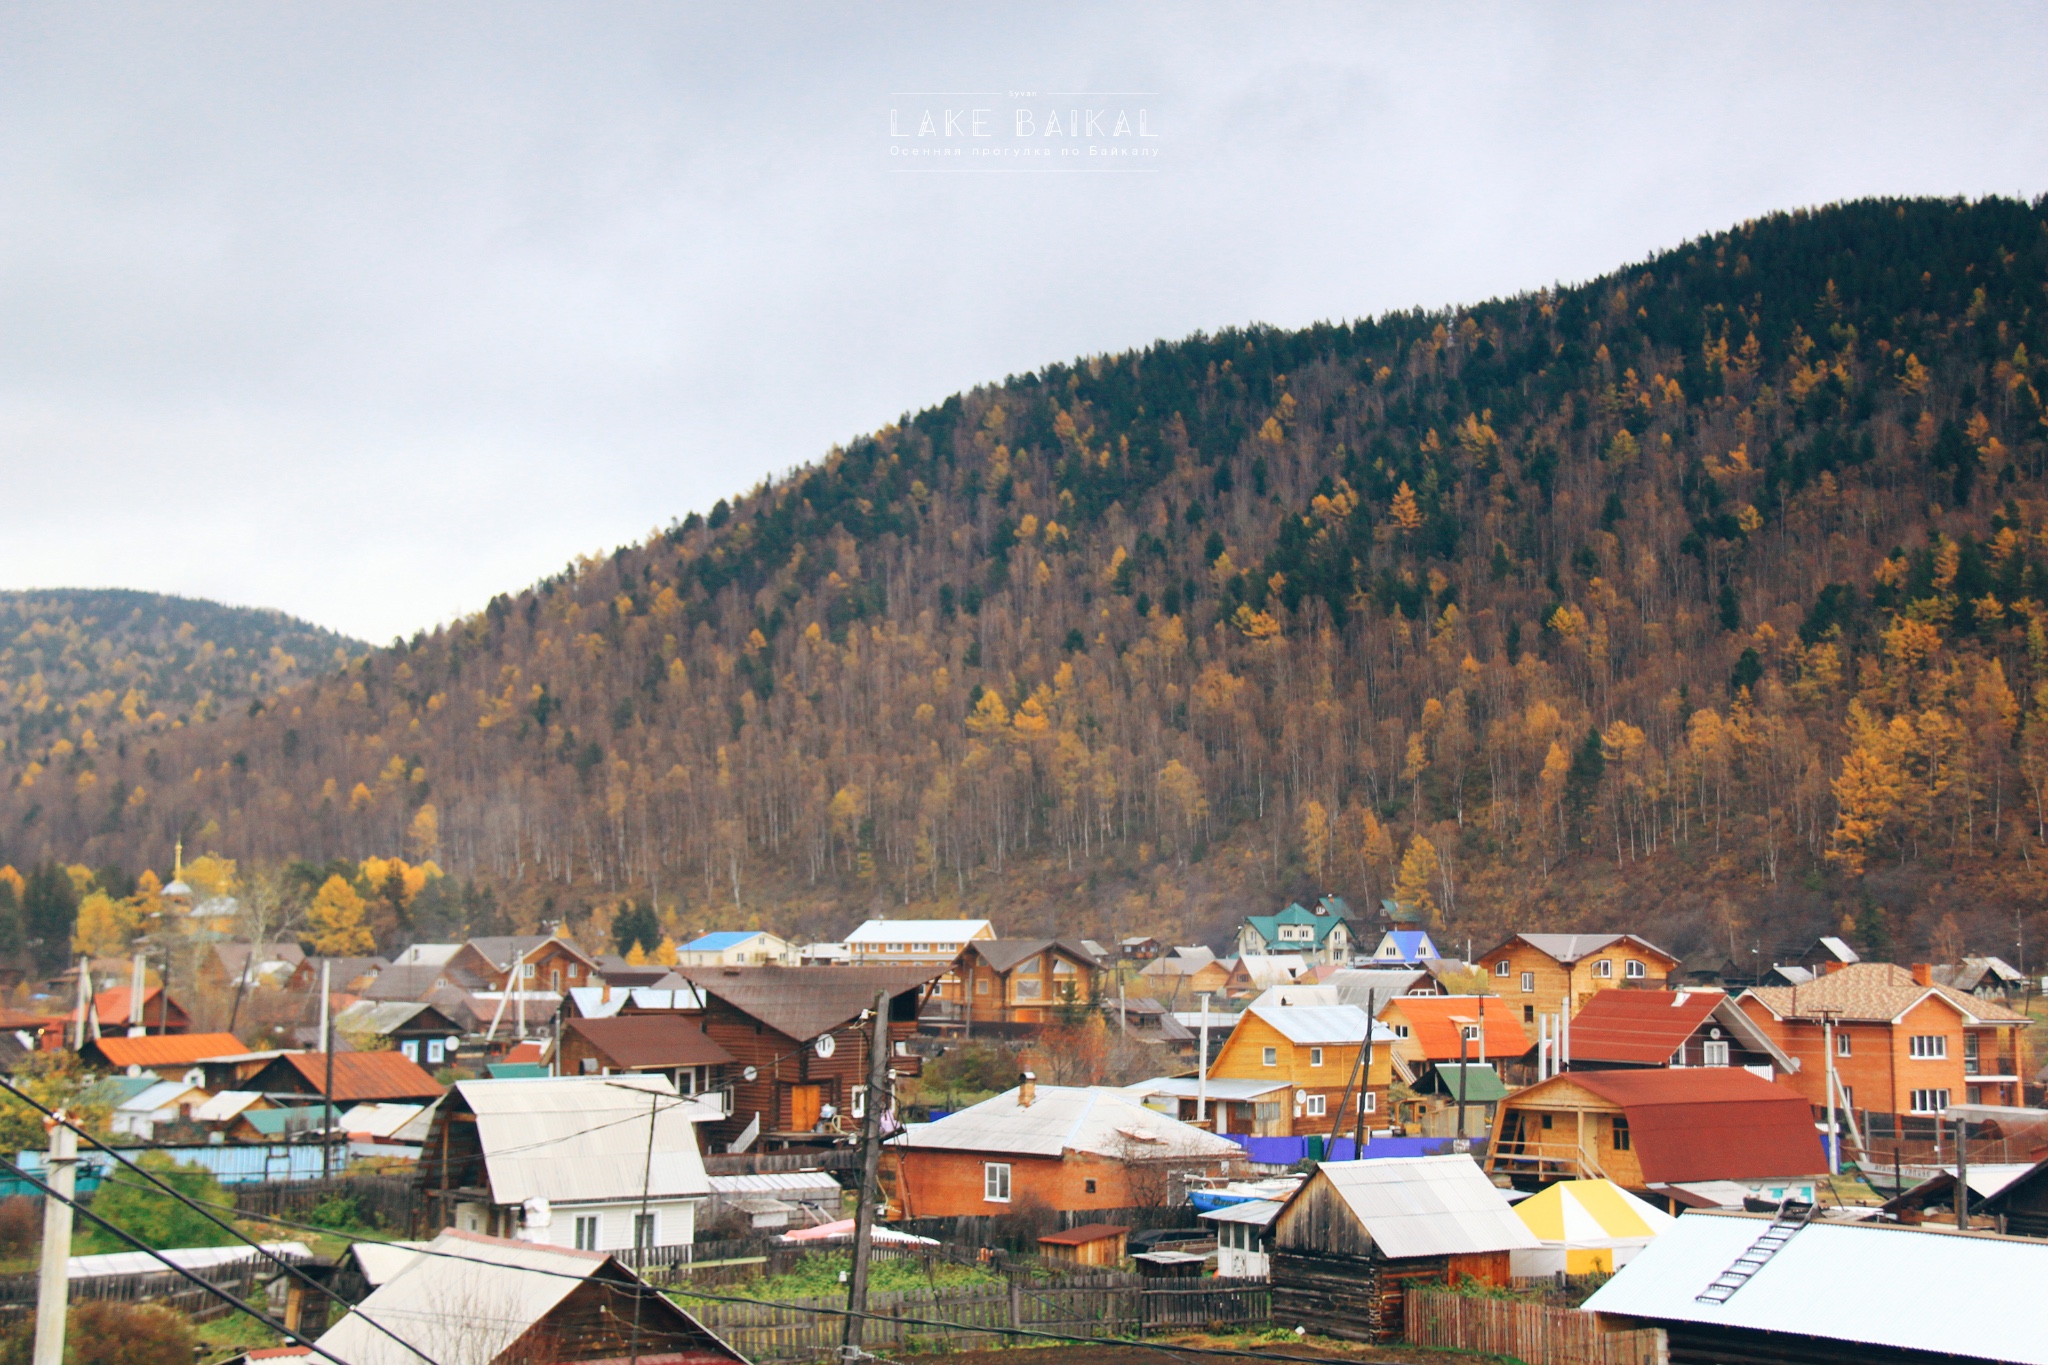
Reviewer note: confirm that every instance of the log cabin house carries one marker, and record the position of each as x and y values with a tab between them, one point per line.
529	962
671	1045
798	1030
1010	981
1347	1245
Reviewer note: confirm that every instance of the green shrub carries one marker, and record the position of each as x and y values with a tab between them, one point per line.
158	1220
108	1332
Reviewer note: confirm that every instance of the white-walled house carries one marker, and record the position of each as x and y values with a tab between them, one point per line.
566	1161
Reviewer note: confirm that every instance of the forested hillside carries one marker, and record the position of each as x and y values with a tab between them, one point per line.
79	665
1710	599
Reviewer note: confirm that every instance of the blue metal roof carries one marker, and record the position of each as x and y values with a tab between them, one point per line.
720	941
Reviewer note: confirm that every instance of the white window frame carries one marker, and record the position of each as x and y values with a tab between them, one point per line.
409	1048
1269	1056
1370	1101
530	968
587	1229
995	1182
1842	1045
1315	1056
1471	1032
1528	983
1400	1030
437	1052
1931	1100
1928	1047
1604	969
857	1102
1714	1052
1505	968
1634	970
1318	1106
647	1229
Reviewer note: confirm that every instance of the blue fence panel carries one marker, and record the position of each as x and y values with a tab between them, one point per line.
231	1163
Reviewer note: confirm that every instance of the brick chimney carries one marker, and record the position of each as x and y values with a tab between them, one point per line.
1923	974
1027	1089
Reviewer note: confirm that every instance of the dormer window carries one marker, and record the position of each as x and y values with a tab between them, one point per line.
1503	968
1635	970
1604	968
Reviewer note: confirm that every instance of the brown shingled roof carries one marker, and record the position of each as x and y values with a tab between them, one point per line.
1872	991
803	1002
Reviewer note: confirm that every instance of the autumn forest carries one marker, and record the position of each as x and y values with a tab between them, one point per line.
1707	599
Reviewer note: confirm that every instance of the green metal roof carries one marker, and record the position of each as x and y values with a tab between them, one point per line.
1482	1082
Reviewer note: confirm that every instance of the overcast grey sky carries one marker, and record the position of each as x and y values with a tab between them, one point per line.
370	311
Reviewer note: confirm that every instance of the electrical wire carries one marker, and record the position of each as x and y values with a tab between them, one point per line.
164	1187
181	1271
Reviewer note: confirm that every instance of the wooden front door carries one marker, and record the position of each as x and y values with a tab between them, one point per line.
805	1104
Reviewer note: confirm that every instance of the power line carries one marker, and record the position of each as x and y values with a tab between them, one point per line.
198	1207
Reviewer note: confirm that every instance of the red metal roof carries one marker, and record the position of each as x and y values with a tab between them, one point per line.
360	1076
1711	1123
1430	1025
176	1049
114	1006
1640	1027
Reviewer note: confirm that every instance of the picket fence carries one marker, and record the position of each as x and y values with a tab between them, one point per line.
1098	1305
1527	1331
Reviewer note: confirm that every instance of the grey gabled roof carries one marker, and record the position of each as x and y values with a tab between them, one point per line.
1425	1205
1572	947
575	1139
1002	954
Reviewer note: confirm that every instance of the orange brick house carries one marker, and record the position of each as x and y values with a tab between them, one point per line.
1903	1045
1050	1146
538	962
1539	973
1315	1049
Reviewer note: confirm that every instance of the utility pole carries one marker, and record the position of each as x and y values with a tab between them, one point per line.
84	1001
1464	1043
1202	1076
53	1287
1962	1172
1337	1119
870	1178
1364	1087
327	1053
1827	1044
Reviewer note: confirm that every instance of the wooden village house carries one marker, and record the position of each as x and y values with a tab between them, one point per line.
1624	1029
529	962
671	1045
799	1030
1315	1050
1347	1245
1541	974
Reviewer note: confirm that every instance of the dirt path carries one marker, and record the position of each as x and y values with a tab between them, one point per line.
1317	1348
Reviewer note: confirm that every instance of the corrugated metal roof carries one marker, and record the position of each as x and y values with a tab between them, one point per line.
1433	1027
1219	1088
584	1138
1257	1212
1425	1205
1640	1027
1371	989
378	1120
719	941
591	1003
1321	1023
651	1040
1708	1123
1569	948
799	1184
1867	1284
192	1258
1062	1118
225	1105
158	1096
381	1261
921	931
361	1076
174	1049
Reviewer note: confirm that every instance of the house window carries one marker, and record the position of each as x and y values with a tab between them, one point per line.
554	978
995	1182
981	985
1271	1056
858	1104
1848	1096
895	947
1604	967
643	1230
1930	1101
586	1232
1318	1106
436	1052
1842	1048
1621	1138
1546	1122
1503	968
686	1080
1714	1053
411	1048
528	970
1635	971
1400	1030
588	1066
1471	1032
1028	988
1088	1186
1370	1102
1528	983
1971	1056
1528	1014
1315	1056
1929	1047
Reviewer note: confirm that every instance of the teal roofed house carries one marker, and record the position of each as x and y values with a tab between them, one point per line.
1320	935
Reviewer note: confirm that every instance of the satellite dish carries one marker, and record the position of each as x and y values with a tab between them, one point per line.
750	1073
825	1046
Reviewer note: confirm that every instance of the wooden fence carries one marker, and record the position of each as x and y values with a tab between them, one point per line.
1091	1305
781	1163
240	1278
386	1201
1534	1332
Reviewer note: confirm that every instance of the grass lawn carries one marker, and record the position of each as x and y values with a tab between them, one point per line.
819	1277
